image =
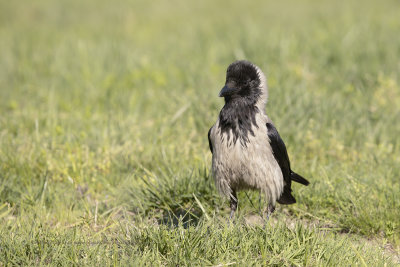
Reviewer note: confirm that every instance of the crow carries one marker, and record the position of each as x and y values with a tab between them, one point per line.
247	150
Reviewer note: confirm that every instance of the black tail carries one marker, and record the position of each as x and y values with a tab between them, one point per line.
286	197
297	178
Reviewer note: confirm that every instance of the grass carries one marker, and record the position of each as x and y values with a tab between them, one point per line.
105	110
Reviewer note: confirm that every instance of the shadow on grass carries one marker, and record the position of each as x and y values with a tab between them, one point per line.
180	217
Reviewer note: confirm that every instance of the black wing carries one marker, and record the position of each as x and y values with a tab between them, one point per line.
279	150
209	140
281	156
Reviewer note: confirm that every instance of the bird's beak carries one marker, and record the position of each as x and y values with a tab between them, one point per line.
226	91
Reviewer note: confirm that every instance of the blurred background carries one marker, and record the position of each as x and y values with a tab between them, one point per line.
105	107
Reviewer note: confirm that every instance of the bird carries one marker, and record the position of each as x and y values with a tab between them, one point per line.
247	151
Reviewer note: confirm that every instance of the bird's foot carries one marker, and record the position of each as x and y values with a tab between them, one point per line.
271	209
231	215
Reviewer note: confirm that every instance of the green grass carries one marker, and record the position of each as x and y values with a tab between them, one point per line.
104	113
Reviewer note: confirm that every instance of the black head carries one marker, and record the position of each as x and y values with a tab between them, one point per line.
242	80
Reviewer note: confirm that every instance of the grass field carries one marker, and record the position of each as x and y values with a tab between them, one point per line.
104	113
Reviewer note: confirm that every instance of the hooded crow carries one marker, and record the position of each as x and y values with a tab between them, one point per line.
247	150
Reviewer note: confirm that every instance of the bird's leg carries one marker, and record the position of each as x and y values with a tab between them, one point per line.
271	209
234	203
